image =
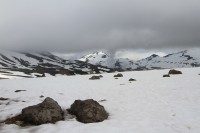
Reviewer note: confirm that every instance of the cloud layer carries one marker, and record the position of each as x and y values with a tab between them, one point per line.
74	26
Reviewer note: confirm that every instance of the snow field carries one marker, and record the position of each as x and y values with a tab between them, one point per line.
152	104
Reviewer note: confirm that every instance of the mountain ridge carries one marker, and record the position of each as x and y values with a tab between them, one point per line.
45	62
174	60
38	63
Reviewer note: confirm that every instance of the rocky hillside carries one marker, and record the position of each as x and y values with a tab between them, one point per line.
44	62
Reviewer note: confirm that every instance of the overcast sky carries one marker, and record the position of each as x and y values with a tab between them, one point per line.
71	26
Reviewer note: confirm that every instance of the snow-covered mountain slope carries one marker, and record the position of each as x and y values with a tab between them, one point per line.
152	104
97	62
45	62
177	60
99	58
181	59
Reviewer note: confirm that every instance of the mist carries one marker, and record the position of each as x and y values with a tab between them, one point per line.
75	26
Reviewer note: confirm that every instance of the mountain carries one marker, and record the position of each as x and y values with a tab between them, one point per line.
181	59
176	60
99	58
44	62
36	64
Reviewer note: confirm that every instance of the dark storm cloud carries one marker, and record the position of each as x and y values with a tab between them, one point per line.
78	25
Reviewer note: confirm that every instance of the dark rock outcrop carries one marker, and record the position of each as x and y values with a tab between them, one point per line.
118	75
174	72
46	112
88	111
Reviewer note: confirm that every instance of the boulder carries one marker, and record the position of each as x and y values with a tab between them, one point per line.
46	112
132	79
118	75
174	72
166	75
88	111
94	78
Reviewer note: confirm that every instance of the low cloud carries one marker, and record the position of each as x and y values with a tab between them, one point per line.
76	26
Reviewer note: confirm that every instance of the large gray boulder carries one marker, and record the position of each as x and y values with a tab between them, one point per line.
46	112
88	111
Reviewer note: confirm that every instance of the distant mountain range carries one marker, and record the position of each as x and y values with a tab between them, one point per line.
38	63
174	60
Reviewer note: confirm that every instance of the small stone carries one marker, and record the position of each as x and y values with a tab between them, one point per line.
3	99
166	75
41	96
19	90
132	79
94	78
118	75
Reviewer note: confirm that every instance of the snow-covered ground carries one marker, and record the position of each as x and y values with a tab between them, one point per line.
152	104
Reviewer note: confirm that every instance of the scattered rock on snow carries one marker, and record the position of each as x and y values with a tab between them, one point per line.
46	112
19	90
94	78
132	79
166	75
103	100
118	75
3	99
88	111
174	72
41	96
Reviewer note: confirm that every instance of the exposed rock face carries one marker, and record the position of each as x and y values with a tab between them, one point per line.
118	75
46	112
166	75
132	79
88	111
174	72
